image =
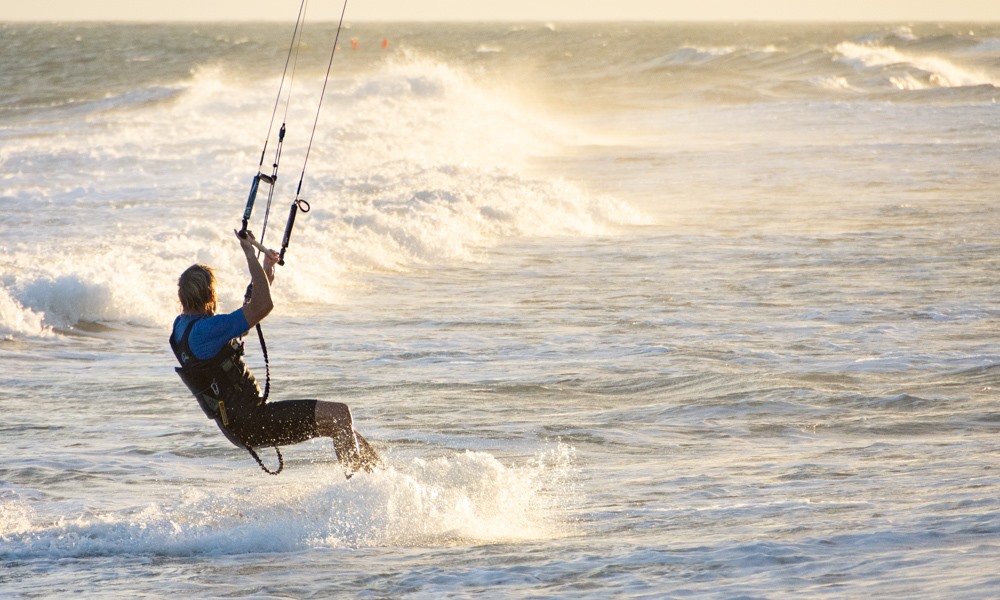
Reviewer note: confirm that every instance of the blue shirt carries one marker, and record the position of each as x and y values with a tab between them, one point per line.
210	334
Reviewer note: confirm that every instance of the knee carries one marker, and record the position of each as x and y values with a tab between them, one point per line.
334	413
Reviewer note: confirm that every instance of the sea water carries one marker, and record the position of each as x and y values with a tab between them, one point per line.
630	310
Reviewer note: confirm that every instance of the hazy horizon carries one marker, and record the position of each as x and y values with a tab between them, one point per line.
964	11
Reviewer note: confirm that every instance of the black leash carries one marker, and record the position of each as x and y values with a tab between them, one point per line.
281	461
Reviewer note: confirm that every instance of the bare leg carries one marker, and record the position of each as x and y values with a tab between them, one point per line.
369	457
333	420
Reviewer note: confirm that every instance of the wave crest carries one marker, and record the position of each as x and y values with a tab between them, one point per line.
917	71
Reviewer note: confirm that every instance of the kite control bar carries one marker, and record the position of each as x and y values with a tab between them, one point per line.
257	244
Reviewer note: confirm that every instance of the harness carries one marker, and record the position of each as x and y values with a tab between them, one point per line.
216	382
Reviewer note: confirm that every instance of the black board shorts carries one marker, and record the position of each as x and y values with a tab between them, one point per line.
271	423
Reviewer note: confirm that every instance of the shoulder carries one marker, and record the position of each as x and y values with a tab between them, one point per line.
220	328
181	323
235	319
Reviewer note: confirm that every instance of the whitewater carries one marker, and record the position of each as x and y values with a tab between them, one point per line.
630	310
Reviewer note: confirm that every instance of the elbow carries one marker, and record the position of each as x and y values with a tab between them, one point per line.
257	310
263	309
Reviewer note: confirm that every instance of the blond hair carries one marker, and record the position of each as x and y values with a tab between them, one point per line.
196	290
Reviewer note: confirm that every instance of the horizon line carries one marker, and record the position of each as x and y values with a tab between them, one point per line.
513	20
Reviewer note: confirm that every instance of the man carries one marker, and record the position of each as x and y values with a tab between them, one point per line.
209	350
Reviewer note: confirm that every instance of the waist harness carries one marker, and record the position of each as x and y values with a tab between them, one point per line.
219	381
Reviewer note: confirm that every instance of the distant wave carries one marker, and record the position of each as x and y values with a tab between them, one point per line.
50	106
872	63
923	71
694	56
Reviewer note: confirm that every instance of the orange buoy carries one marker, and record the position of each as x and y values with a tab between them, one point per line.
354	43
385	43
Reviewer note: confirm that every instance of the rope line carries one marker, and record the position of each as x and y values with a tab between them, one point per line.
294	45
322	95
297	203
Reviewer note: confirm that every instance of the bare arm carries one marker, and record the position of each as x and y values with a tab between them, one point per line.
270	259
260	304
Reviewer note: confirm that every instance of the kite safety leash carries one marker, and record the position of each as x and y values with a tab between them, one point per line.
281	461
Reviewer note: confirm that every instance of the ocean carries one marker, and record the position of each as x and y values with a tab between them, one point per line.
631	310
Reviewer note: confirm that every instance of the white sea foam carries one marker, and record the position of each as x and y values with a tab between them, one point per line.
462	498
17	321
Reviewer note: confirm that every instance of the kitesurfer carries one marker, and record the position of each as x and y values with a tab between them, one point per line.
209	349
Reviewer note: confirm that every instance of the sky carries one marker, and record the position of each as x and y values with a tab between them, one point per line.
507	10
